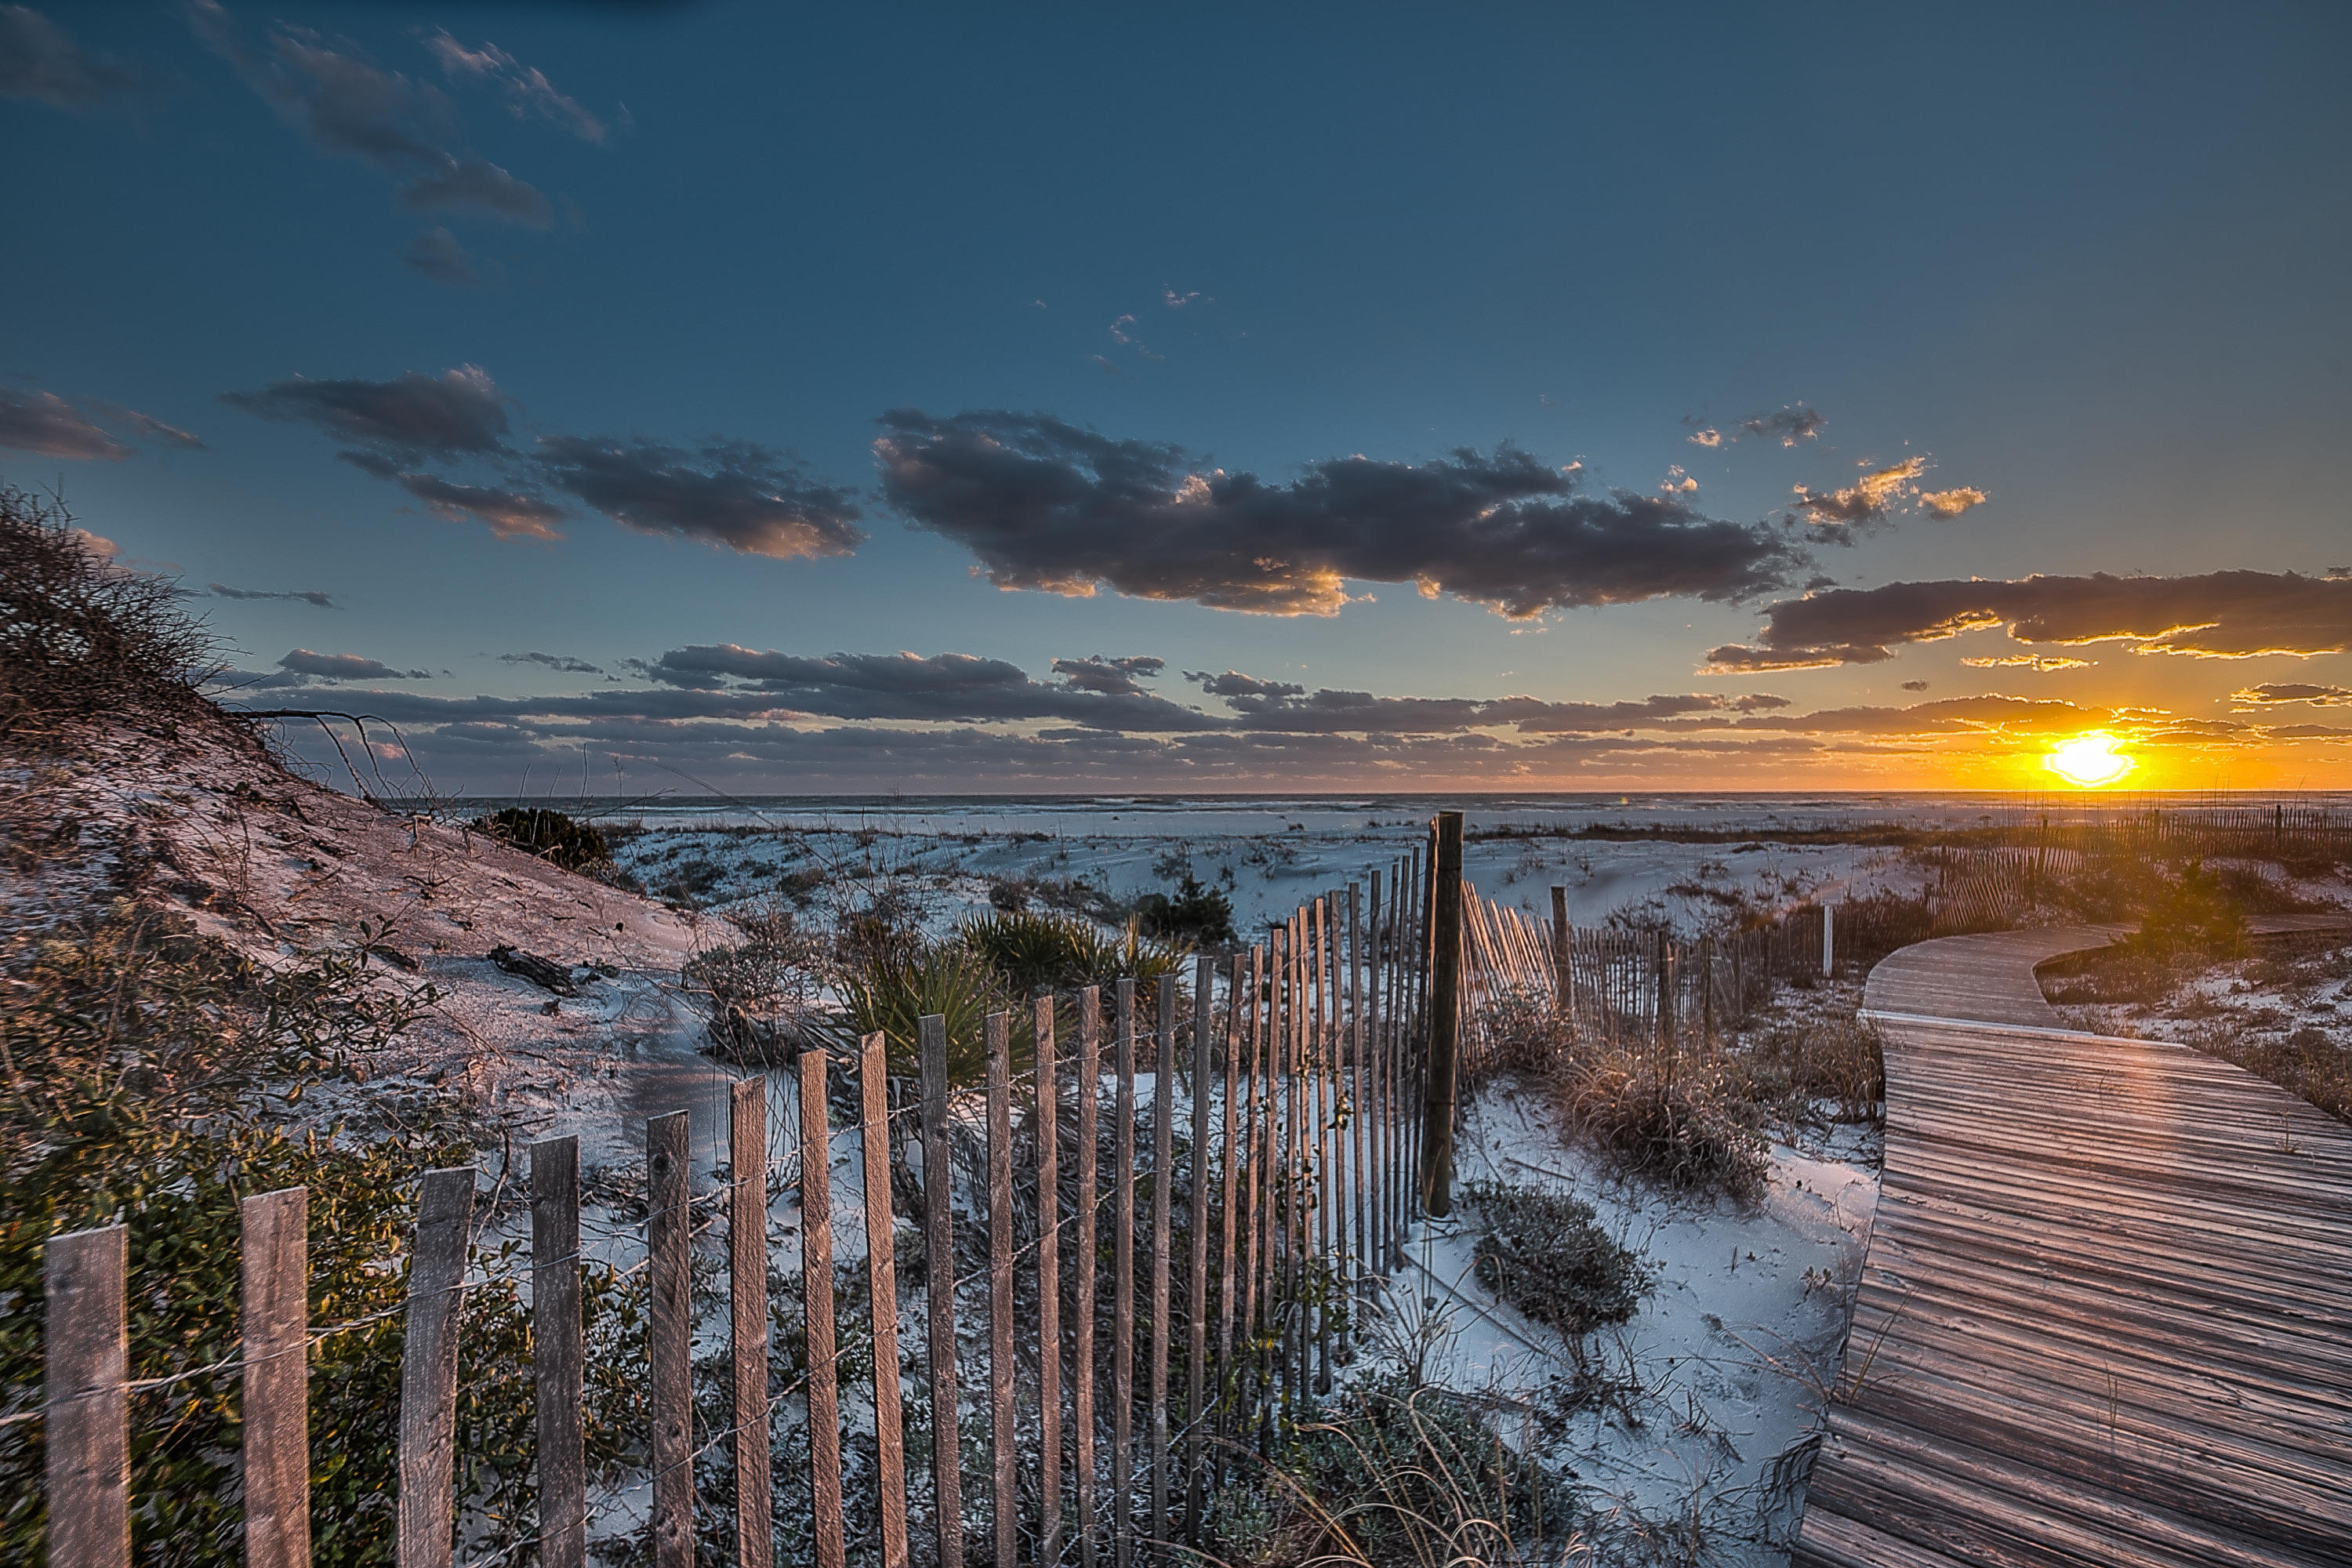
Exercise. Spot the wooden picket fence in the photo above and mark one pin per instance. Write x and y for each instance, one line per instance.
(1265, 1240)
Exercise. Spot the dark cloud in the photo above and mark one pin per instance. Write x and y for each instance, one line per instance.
(437, 254)
(2218, 615)
(1045, 505)
(459, 413)
(345, 667)
(510, 514)
(347, 107)
(1786, 425)
(1112, 676)
(40, 61)
(1234, 683)
(529, 94)
(223, 591)
(1915, 686)
(45, 423)
(2271, 692)
(947, 687)
(146, 427)
(735, 494)
(568, 665)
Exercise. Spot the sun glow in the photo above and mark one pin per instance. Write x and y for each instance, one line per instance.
(2089, 761)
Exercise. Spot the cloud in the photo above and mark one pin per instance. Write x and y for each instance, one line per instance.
(735, 494)
(1915, 686)
(510, 514)
(223, 591)
(1234, 683)
(437, 254)
(1867, 501)
(568, 666)
(459, 413)
(2218, 615)
(1786, 425)
(1951, 503)
(44, 423)
(348, 108)
(345, 667)
(1111, 677)
(40, 62)
(945, 687)
(482, 186)
(2037, 662)
(1707, 435)
(1045, 505)
(2276, 691)
(529, 94)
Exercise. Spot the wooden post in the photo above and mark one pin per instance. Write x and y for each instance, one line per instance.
(1163, 1158)
(1353, 1095)
(427, 1516)
(274, 1320)
(938, 1295)
(1563, 978)
(1082, 1349)
(882, 1286)
(1049, 1291)
(816, 1305)
(1662, 972)
(1229, 1172)
(1444, 1017)
(669, 1337)
(1326, 1187)
(1003, 1493)
(1374, 1049)
(1196, 1295)
(1122, 1310)
(1829, 939)
(87, 1413)
(1257, 1130)
(557, 1363)
(747, 1310)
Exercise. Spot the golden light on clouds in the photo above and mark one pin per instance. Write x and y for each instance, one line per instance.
(2089, 761)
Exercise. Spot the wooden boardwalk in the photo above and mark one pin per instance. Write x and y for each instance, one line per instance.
(2107, 1314)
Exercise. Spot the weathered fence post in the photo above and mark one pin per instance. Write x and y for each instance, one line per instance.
(1004, 1488)
(87, 1413)
(747, 1311)
(882, 1287)
(669, 1337)
(1829, 939)
(274, 1320)
(1049, 1291)
(1444, 1017)
(1122, 1310)
(425, 1521)
(557, 1363)
(1082, 1349)
(1563, 979)
(816, 1305)
(1197, 1278)
(938, 1294)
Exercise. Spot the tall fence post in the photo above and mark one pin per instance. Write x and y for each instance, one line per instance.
(1444, 1017)
(1197, 1279)
(1829, 939)
(1082, 1347)
(1562, 977)
(425, 1520)
(747, 1311)
(882, 1286)
(1122, 1320)
(1005, 1495)
(274, 1320)
(817, 1306)
(557, 1363)
(88, 1402)
(669, 1338)
(1049, 1289)
(938, 1294)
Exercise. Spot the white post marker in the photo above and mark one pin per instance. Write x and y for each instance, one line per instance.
(1829, 939)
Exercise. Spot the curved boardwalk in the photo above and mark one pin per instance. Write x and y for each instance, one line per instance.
(2107, 1314)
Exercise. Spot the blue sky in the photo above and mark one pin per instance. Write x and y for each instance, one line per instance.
(2076, 273)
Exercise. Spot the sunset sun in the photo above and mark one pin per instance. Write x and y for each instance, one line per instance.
(2089, 761)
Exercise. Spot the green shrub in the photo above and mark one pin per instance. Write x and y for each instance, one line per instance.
(1690, 1127)
(1545, 1254)
(550, 834)
(1192, 914)
(894, 989)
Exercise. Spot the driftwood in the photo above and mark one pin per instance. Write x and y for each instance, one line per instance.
(540, 972)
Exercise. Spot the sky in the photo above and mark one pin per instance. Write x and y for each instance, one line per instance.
(953, 400)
